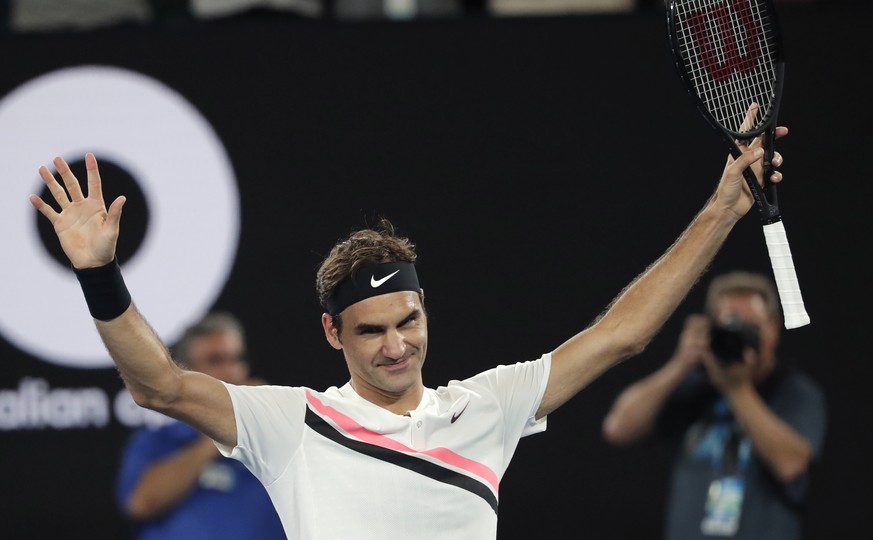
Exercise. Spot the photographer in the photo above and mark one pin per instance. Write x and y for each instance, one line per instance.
(748, 426)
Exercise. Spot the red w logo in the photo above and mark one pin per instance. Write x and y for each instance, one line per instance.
(732, 59)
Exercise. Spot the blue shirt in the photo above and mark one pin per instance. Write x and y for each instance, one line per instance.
(228, 502)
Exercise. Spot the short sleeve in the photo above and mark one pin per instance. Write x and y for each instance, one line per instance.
(269, 426)
(519, 389)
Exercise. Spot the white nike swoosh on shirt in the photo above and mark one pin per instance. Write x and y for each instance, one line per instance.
(377, 282)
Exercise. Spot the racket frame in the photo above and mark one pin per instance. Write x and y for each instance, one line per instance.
(765, 197)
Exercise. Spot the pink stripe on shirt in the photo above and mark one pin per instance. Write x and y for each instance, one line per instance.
(361, 433)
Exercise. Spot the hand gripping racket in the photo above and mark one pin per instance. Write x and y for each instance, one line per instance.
(729, 54)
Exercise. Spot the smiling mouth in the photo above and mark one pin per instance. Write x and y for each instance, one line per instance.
(399, 364)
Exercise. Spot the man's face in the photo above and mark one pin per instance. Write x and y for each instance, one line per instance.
(384, 341)
(220, 354)
(751, 309)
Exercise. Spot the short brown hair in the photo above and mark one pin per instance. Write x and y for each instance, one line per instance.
(743, 282)
(379, 244)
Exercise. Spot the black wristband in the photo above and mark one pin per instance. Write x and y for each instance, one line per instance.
(105, 291)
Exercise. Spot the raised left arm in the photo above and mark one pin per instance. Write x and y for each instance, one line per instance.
(639, 311)
(636, 315)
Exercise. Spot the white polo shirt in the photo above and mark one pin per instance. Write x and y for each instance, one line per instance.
(339, 467)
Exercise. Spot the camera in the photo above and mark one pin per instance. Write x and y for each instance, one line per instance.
(729, 338)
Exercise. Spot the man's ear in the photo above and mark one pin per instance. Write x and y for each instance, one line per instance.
(331, 332)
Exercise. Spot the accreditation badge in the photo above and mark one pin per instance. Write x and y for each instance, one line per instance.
(724, 502)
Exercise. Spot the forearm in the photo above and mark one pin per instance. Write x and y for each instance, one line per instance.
(156, 382)
(634, 412)
(644, 306)
(639, 311)
(167, 482)
(785, 451)
(141, 358)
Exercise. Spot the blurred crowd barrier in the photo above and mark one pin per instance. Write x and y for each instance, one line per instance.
(72, 15)
(65, 15)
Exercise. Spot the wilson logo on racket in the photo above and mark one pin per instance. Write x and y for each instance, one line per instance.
(725, 30)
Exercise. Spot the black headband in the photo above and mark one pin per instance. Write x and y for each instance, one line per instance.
(373, 280)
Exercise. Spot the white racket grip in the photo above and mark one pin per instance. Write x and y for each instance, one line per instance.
(786, 279)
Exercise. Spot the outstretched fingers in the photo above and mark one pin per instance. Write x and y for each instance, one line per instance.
(70, 191)
(113, 216)
(95, 187)
(44, 209)
(54, 187)
(69, 178)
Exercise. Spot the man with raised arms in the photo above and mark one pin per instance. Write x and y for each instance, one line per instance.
(382, 456)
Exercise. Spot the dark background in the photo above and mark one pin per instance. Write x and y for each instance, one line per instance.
(540, 164)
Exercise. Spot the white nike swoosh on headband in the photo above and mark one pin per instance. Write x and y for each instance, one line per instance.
(376, 282)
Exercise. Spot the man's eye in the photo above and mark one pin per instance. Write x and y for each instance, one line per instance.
(412, 321)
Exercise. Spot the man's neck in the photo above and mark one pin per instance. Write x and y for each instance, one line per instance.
(399, 404)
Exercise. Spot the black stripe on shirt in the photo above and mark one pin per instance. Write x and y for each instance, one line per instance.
(426, 468)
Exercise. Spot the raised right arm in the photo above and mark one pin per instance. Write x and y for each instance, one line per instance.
(88, 233)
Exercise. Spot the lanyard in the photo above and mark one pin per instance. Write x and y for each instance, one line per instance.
(734, 452)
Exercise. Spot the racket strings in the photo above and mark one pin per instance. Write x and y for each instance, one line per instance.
(728, 49)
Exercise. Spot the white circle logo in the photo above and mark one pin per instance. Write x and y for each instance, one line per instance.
(186, 178)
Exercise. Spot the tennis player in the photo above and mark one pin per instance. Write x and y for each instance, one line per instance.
(381, 456)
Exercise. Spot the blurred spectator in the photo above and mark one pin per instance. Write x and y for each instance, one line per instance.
(173, 482)
(747, 425)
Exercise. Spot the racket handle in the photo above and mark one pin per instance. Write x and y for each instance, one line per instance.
(786, 279)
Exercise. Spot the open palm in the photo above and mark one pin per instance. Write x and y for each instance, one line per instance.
(88, 232)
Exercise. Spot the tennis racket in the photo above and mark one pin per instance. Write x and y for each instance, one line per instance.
(729, 54)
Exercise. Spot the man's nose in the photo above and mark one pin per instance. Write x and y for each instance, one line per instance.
(394, 345)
